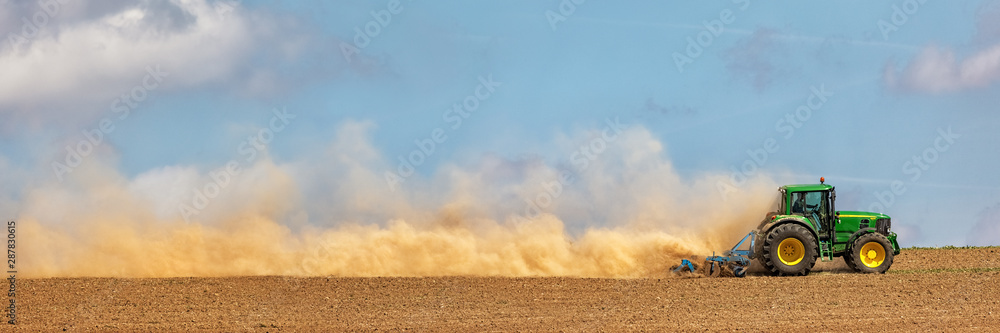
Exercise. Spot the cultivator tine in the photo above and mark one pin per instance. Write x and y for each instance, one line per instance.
(685, 265)
(714, 268)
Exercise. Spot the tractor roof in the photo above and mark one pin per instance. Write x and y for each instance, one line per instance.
(806, 187)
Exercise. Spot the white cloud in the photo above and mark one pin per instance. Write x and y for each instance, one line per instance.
(98, 59)
(938, 70)
(86, 56)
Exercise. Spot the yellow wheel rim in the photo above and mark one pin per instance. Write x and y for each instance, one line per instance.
(791, 251)
(872, 254)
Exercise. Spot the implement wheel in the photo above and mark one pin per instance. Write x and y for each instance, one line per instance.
(740, 271)
(870, 253)
(789, 249)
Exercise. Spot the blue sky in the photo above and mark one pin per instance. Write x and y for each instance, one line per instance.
(896, 75)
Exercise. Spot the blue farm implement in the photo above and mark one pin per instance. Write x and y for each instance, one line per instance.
(735, 260)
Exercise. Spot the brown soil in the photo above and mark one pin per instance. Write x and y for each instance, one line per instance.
(926, 290)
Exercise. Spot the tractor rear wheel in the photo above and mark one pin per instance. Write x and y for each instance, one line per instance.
(789, 249)
(870, 253)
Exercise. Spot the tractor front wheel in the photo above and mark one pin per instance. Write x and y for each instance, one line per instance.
(789, 249)
(870, 253)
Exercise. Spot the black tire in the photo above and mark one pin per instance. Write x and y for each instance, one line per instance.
(771, 258)
(848, 259)
(872, 262)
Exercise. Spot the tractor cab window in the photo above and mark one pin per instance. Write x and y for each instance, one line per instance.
(799, 203)
(815, 206)
(812, 205)
(814, 201)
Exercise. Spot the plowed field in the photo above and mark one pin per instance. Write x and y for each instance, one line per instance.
(926, 290)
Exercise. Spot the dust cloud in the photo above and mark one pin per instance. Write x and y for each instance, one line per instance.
(628, 213)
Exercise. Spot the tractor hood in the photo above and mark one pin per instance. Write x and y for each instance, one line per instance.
(860, 214)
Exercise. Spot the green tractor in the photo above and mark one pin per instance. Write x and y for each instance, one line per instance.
(805, 225)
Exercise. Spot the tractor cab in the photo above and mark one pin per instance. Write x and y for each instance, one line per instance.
(813, 204)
